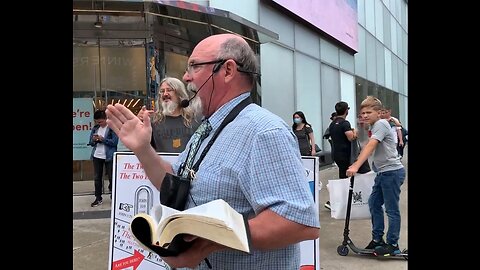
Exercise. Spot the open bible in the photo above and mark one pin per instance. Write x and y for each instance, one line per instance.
(163, 230)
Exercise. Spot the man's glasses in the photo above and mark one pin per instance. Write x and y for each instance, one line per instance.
(194, 66)
(168, 90)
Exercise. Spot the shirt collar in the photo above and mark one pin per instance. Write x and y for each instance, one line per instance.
(217, 117)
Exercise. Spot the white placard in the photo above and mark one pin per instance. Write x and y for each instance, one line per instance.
(132, 193)
(310, 250)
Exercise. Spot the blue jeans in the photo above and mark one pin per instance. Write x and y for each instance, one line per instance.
(386, 190)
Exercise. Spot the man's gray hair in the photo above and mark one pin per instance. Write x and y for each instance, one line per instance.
(189, 113)
(243, 54)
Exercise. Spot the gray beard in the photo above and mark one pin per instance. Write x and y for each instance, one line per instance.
(196, 102)
(168, 108)
(192, 87)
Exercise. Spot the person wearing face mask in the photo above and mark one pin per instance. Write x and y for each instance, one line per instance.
(172, 125)
(304, 132)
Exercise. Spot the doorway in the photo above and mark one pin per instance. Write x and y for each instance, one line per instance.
(105, 71)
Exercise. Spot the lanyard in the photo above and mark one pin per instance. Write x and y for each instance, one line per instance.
(229, 118)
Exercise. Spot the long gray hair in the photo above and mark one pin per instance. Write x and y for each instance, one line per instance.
(189, 113)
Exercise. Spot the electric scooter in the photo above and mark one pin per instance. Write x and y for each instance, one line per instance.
(342, 250)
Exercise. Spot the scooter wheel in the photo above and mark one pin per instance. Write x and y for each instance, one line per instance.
(342, 250)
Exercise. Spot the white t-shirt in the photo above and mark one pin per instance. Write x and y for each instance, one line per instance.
(100, 149)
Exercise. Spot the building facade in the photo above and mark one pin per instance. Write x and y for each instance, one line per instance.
(121, 48)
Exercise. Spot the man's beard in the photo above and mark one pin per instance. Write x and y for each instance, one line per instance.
(192, 87)
(196, 102)
(168, 108)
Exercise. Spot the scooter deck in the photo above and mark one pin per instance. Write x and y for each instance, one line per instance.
(403, 253)
(388, 255)
(371, 252)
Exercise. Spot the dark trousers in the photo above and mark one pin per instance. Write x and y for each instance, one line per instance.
(342, 168)
(98, 164)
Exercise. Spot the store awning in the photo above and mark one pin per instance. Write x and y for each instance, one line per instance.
(216, 19)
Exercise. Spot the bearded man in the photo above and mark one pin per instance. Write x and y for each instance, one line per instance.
(172, 125)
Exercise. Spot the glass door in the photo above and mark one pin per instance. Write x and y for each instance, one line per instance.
(105, 71)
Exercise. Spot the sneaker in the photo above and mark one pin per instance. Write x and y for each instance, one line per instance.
(327, 205)
(373, 244)
(387, 250)
(96, 203)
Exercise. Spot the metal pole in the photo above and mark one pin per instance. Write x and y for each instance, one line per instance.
(100, 79)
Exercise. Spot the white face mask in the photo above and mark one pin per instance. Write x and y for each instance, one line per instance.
(297, 120)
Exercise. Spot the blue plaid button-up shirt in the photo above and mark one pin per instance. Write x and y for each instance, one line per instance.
(254, 164)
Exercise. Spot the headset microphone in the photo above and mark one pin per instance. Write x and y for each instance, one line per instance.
(184, 103)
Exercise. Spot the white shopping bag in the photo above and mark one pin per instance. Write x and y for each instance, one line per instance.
(362, 188)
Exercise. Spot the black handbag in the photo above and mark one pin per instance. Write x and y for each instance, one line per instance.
(355, 151)
(174, 191)
(364, 168)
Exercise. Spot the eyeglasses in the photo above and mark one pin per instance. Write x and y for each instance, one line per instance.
(168, 90)
(194, 66)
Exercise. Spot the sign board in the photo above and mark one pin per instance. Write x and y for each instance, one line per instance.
(82, 126)
(310, 250)
(133, 193)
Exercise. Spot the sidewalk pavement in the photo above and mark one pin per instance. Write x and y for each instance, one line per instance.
(91, 233)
